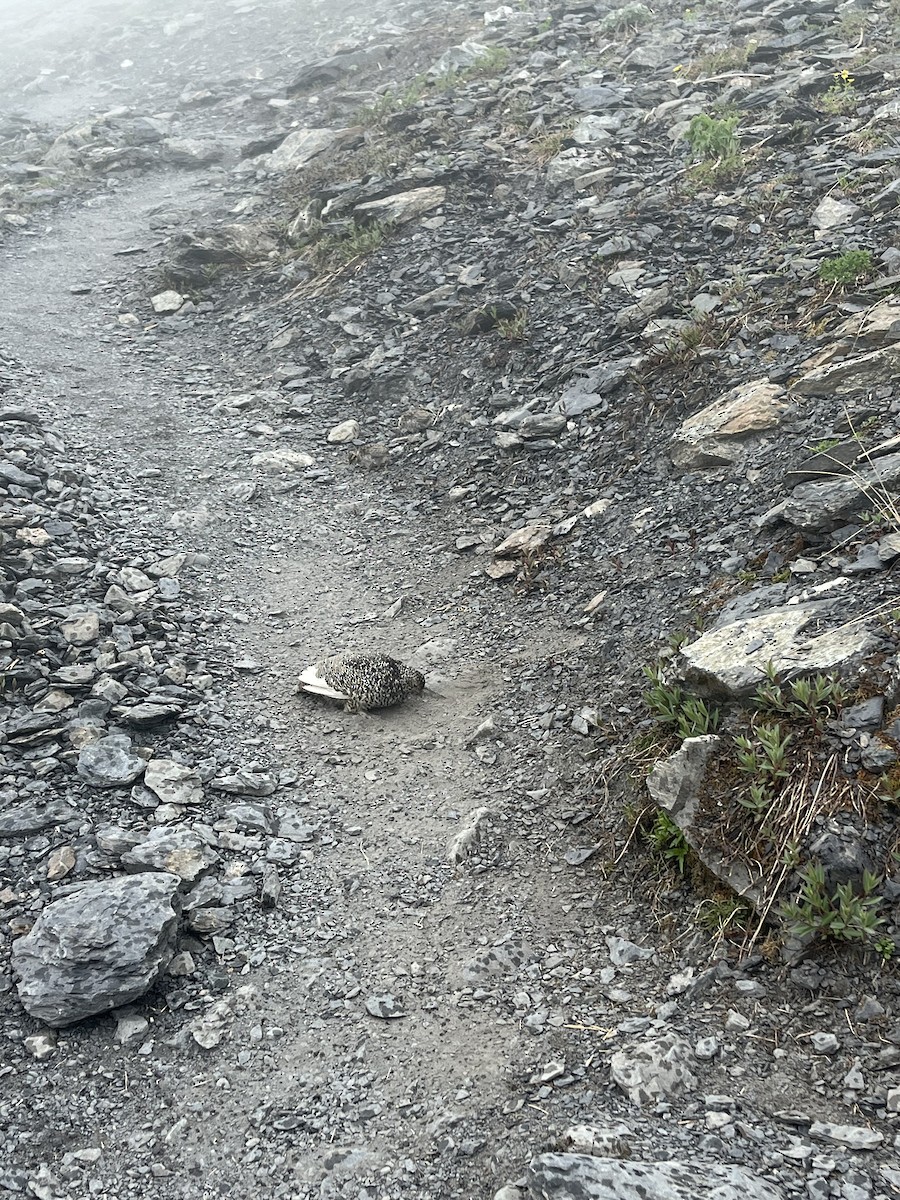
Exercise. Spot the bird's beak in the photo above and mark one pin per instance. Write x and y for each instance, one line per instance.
(429, 691)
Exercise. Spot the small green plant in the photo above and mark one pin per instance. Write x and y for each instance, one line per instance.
(393, 101)
(824, 446)
(847, 268)
(627, 19)
(548, 145)
(494, 61)
(846, 915)
(764, 758)
(513, 328)
(667, 841)
(813, 698)
(690, 716)
(730, 59)
(853, 27)
(849, 183)
(712, 138)
(724, 916)
(757, 800)
(841, 97)
(335, 250)
(715, 147)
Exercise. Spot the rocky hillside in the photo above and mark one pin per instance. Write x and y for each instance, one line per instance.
(554, 350)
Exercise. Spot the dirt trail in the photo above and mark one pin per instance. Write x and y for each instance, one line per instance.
(378, 902)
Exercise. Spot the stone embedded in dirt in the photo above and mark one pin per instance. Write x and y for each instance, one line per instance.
(210, 1028)
(300, 148)
(147, 714)
(675, 785)
(246, 783)
(110, 762)
(41, 1045)
(527, 540)
(329, 70)
(277, 461)
(878, 368)
(827, 503)
(733, 659)
(173, 782)
(600, 1141)
(385, 1007)
(80, 629)
(715, 436)
(97, 949)
(459, 58)
(60, 862)
(133, 580)
(623, 953)
(655, 1069)
(346, 431)
(584, 1177)
(505, 960)
(167, 302)
(591, 392)
(831, 213)
(175, 849)
(875, 326)
(192, 153)
(853, 1137)
(541, 425)
(23, 820)
(402, 206)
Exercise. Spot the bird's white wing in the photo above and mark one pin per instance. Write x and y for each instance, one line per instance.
(312, 681)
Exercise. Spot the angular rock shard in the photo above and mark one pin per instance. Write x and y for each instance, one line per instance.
(583, 1177)
(98, 949)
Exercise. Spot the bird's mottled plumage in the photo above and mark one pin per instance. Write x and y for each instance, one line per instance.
(362, 681)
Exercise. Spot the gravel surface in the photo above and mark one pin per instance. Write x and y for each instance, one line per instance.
(421, 331)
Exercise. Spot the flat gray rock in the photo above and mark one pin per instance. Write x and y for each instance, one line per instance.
(583, 1177)
(823, 504)
(98, 949)
(655, 1069)
(733, 659)
(110, 762)
(176, 849)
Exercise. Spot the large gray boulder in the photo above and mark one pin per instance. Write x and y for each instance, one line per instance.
(100, 948)
(583, 1177)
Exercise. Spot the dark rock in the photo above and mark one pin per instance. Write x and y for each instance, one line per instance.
(100, 948)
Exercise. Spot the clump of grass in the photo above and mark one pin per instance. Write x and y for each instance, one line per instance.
(847, 268)
(332, 251)
(730, 59)
(713, 137)
(724, 915)
(688, 716)
(548, 145)
(853, 26)
(845, 915)
(512, 329)
(667, 841)
(824, 445)
(813, 698)
(493, 62)
(393, 102)
(842, 96)
(627, 19)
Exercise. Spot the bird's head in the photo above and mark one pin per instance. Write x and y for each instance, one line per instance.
(413, 682)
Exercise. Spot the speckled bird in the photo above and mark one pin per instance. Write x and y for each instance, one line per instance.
(362, 681)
